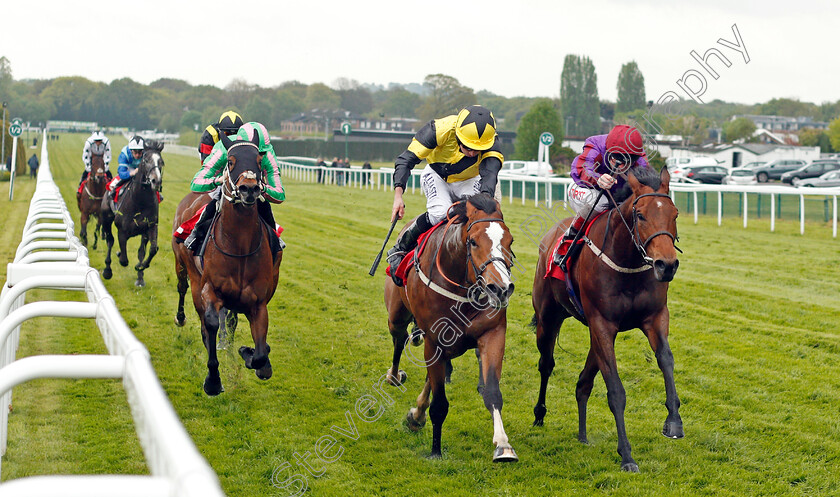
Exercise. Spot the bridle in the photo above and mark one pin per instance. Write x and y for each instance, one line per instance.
(229, 190)
(478, 271)
(231, 194)
(634, 230)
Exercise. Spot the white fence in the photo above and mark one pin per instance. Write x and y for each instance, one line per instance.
(50, 256)
(549, 190)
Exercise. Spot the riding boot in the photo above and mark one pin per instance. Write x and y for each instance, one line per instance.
(568, 238)
(199, 232)
(405, 243)
(79, 190)
(264, 210)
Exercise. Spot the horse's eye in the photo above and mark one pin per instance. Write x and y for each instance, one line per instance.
(472, 243)
(639, 216)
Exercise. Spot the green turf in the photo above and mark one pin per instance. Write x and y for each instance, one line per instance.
(754, 332)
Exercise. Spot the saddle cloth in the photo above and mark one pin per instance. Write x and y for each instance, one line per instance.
(561, 247)
(408, 259)
(183, 231)
(119, 189)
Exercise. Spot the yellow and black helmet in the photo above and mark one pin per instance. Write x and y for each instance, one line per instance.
(230, 122)
(476, 127)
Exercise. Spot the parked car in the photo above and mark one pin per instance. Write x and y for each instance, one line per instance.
(677, 166)
(812, 170)
(776, 168)
(526, 167)
(831, 178)
(707, 174)
(753, 165)
(740, 176)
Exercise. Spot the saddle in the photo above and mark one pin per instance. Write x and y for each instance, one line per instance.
(562, 247)
(413, 256)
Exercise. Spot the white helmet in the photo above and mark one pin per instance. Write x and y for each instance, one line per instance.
(136, 143)
(98, 136)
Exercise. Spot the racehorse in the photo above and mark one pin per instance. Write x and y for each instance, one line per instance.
(90, 200)
(136, 212)
(458, 294)
(622, 283)
(238, 273)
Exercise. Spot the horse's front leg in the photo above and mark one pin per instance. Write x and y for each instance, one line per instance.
(141, 252)
(122, 239)
(96, 231)
(183, 285)
(151, 236)
(209, 328)
(602, 335)
(439, 407)
(109, 241)
(257, 358)
(491, 348)
(83, 222)
(657, 334)
(399, 317)
(548, 321)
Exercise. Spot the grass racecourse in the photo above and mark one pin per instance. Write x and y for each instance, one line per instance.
(754, 331)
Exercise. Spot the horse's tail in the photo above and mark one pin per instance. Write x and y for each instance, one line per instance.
(533, 323)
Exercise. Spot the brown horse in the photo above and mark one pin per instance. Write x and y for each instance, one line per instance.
(622, 283)
(136, 213)
(239, 274)
(90, 201)
(458, 295)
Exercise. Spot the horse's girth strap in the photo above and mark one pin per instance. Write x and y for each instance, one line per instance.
(439, 289)
(601, 255)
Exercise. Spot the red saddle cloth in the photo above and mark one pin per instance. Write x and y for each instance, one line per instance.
(119, 189)
(562, 247)
(408, 260)
(186, 228)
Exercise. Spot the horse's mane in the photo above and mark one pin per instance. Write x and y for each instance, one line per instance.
(154, 145)
(647, 176)
(480, 201)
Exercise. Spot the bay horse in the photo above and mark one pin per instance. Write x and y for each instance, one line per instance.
(622, 283)
(90, 200)
(239, 273)
(136, 212)
(458, 295)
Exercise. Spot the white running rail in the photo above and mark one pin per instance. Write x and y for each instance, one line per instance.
(383, 179)
(50, 256)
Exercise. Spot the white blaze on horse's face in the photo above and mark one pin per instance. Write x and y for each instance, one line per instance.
(495, 233)
(155, 176)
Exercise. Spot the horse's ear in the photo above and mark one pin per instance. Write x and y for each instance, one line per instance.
(256, 139)
(665, 178)
(227, 142)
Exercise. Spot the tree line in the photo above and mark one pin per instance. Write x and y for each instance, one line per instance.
(175, 105)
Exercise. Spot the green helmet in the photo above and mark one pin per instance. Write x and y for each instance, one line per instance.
(246, 132)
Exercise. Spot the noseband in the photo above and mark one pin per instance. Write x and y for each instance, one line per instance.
(229, 190)
(477, 270)
(635, 230)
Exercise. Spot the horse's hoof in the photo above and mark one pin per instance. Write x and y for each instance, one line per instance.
(673, 429)
(416, 338)
(435, 455)
(123, 263)
(264, 372)
(107, 273)
(412, 423)
(539, 414)
(505, 454)
(140, 283)
(398, 380)
(630, 467)
(180, 319)
(213, 387)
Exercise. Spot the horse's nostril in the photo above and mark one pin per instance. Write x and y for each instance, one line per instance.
(660, 265)
(509, 290)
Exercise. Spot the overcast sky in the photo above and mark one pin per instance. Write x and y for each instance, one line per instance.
(508, 47)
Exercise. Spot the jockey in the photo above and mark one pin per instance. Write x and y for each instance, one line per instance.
(209, 177)
(229, 123)
(463, 159)
(594, 170)
(129, 159)
(96, 144)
